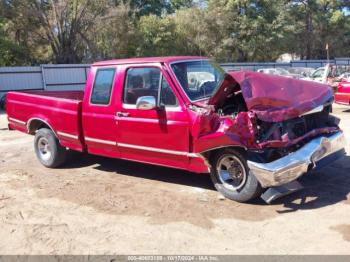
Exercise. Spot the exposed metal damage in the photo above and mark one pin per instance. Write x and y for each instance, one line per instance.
(281, 137)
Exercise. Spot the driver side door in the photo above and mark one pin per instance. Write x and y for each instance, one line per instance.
(159, 135)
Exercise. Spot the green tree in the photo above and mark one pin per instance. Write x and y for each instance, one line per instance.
(318, 23)
(198, 32)
(180, 4)
(61, 25)
(155, 7)
(235, 30)
(73, 31)
(11, 54)
(115, 34)
(158, 37)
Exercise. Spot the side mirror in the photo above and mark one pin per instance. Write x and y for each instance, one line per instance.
(146, 103)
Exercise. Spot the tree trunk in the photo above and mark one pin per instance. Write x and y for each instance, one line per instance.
(309, 31)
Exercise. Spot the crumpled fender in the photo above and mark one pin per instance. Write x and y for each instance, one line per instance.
(212, 131)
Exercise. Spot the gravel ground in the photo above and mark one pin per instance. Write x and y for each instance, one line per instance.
(96, 205)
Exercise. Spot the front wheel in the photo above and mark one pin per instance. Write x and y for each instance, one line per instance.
(231, 177)
(48, 149)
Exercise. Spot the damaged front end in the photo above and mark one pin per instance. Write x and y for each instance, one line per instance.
(292, 147)
(284, 125)
(318, 151)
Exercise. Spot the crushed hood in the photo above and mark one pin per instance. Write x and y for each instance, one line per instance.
(273, 98)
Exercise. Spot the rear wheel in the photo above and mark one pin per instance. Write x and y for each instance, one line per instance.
(48, 149)
(231, 177)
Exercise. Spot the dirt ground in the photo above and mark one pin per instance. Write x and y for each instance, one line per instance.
(96, 205)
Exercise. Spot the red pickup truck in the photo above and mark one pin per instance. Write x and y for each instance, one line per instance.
(249, 130)
(342, 96)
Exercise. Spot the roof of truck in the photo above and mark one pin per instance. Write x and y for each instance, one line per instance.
(141, 60)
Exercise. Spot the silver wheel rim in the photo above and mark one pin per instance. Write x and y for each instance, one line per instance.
(231, 172)
(44, 149)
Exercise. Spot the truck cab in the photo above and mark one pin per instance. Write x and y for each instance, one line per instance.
(141, 111)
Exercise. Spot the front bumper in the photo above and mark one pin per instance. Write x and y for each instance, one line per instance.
(320, 150)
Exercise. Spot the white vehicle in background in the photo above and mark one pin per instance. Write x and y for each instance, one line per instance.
(330, 74)
(197, 79)
(301, 71)
(278, 71)
(319, 75)
(345, 77)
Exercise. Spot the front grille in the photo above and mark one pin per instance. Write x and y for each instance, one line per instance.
(295, 127)
(317, 120)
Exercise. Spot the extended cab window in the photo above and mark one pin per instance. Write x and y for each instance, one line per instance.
(147, 81)
(102, 89)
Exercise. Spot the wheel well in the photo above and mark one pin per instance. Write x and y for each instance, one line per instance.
(37, 124)
(211, 153)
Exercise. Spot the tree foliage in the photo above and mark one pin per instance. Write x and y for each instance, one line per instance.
(318, 23)
(11, 54)
(73, 31)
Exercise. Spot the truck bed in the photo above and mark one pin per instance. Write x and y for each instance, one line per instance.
(59, 110)
(69, 95)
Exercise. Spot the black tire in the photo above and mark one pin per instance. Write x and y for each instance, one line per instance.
(48, 149)
(247, 186)
(3, 102)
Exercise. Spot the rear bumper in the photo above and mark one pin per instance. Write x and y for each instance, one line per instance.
(342, 98)
(318, 152)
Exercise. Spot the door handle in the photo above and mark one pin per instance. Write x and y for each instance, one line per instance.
(122, 114)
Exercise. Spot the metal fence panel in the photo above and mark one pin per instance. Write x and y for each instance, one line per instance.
(20, 78)
(47, 77)
(342, 61)
(73, 77)
(65, 77)
(310, 63)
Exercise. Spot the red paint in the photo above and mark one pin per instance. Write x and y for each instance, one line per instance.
(342, 96)
(167, 137)
(275, 98)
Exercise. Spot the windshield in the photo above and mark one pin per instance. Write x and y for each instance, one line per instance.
(318, 73)
(199, 79)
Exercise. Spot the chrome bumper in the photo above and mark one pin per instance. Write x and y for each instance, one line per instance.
(292, 166)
